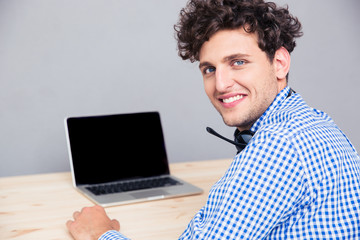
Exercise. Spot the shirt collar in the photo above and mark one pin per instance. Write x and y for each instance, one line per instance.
(279, 99)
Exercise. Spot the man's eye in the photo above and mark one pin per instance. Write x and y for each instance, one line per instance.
(239, 63)
(209, 70)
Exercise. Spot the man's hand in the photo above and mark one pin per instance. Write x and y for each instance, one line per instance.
(91, 223)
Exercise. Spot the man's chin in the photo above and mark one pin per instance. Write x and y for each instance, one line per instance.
(234, 119)
(230, 122)
(237, 123)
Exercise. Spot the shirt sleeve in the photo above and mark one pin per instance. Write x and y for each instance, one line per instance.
(113, 235)
(263, 187)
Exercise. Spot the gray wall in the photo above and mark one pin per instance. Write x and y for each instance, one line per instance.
(61, 58)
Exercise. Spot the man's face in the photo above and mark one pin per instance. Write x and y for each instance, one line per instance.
(239, 79)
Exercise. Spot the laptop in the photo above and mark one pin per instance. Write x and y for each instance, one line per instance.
(121, 158)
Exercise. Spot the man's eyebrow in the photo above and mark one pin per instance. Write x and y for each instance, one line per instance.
(204, 64)
(235, 56)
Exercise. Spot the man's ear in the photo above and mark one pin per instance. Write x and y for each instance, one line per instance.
(281, 62)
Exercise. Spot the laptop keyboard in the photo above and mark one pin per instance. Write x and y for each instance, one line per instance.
(132, 185)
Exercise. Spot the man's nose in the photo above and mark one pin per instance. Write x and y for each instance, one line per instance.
(223, 80)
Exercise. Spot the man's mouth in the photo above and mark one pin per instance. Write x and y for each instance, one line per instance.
(232, 99)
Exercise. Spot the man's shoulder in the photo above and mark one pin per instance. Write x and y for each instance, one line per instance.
(293, 117)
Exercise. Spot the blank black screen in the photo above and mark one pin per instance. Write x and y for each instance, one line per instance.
(115, 147)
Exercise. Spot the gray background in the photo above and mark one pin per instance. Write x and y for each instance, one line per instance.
(63, 58)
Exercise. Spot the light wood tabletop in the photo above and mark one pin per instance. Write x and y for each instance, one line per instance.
(38, 206)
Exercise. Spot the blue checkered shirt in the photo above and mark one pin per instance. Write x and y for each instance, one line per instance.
(298, 178)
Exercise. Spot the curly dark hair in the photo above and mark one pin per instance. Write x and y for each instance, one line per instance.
(200, 19)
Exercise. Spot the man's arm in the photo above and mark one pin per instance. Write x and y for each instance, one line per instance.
(91, 223)
(258, 191)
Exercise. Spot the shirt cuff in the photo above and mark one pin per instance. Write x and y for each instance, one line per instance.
(113, 235)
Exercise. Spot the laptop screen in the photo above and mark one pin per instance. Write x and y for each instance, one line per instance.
(116, 147)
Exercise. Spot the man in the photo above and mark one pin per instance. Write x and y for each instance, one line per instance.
(299, 176)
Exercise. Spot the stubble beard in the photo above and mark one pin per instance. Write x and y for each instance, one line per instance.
(243, 121)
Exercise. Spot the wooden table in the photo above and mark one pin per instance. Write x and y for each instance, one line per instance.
(36, 207)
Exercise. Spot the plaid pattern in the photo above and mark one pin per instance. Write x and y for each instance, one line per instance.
(112, 235)
(298, 178)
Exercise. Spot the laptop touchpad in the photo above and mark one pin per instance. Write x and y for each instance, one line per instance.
(152, 193)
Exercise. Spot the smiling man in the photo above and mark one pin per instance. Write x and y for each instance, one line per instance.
(298, 177)
(239, 79)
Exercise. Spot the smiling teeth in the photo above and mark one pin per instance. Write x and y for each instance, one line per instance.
(232, 99)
